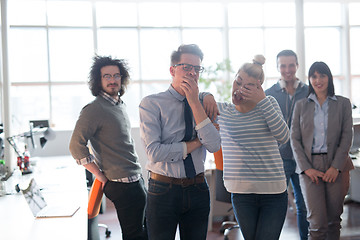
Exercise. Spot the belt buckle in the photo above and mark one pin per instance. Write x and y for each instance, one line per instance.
(185, 182)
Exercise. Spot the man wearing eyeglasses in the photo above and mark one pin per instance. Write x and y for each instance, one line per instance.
(287, 91)
(178, 192)
(105, 123)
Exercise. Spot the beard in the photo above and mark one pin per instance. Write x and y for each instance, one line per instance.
(112, 89)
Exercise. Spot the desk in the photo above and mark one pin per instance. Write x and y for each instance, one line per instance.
(61, 180)
(354, 191)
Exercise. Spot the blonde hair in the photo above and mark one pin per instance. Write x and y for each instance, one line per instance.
(255, 69)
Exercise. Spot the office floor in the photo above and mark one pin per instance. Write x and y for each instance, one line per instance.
(350, 225)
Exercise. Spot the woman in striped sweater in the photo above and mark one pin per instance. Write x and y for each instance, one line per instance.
(251, 128)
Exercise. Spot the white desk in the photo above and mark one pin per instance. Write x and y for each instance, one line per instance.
(62, 181)
(354, 191)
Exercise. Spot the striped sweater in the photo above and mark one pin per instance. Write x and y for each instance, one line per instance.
(252, 162)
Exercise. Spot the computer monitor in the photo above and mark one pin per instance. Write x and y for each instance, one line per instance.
(40, 123)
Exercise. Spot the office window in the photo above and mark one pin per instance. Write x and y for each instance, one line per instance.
(212, 52)
(69, 13)
(53, 53)
(28, 61)
(355, 86)
(202, 14)
(27, 104)
(323, 44)
(244, 44)
(260, 28)
(156, 46)
(122, 44)
(160, 14)
(132, 98)
(322, 14)
(27, 12)
(67, 102)
(354, 17)
(277, 39)
(70, 53)
(245, 15)
(116, 14)
(355, 50)
(274, 14)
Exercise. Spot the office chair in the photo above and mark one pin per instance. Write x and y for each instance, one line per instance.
(222, 195)
(95, 206)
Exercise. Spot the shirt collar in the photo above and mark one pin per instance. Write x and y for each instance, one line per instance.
(110, 99)
(282, 83)
(312, 97)
(177, 95)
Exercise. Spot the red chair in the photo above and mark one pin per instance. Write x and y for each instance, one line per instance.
(94, 206)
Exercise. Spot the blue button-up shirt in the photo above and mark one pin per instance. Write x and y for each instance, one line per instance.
(162, 128)
(320, 124)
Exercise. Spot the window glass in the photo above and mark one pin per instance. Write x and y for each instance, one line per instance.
(322, 14)
(204, 14)
(355, 86)
(355, 50)
(159, 14)
(27, 104)
(244, 44)
(123, 44)
(156, 47)
(65, 111)
(69, 13)
(132, 100)
(277, 39)
(354, 16)
(269, 82)
(28, 60)
(71, 52)
(338, 85)
(245, 14)
(116, 14)
(27, 12)
(276, 15)
(323, 44)
(213, 53)
(153, 88)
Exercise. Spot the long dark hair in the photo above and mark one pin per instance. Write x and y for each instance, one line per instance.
(321, 68)
(95, 73)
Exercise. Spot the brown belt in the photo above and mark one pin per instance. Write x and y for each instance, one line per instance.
(200, 178)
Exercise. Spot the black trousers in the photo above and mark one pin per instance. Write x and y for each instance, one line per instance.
(129, 200)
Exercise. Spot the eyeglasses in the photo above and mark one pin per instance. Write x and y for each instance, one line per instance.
(188, 67)
(116, 76)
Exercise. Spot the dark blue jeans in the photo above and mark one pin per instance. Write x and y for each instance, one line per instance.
(291, 175)
(129, 200)
(260, 216)
(169, 205)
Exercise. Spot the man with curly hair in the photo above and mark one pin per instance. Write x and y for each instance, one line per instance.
(105, 124)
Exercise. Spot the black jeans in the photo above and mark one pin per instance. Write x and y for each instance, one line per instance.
(129, 200)
(169, 205)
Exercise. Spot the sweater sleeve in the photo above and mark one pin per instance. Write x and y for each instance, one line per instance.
(86, 127)
(274, 118)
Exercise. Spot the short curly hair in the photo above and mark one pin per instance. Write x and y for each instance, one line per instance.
(95, 73)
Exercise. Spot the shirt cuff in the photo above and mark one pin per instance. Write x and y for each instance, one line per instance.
(85, 160)
(184, 150)
(202, 124)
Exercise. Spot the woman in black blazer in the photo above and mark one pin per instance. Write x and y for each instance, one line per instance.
(321, 137)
